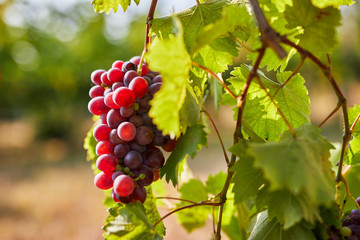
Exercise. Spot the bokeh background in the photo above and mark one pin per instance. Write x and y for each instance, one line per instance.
(48, 50)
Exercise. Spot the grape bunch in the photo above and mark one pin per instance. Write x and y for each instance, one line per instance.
(351, 224)
(129, 156)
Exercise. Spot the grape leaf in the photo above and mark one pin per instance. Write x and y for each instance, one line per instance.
(353, 152)
(194, 20)
(196, 217)
(152, 213)
(170, 58)
(189, 144)
(233, 17)
(270, 230)
(129, 221)
(333, 3)
(297, 163)
(261, 113)
(318, 24)
(214, 184)
(107, 5)
(247, 179)
(288, 208)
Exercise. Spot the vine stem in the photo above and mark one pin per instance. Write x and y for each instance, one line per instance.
(354, 123)
(216, 77)
(149, 18)
(241, 43)
(184, 207)
(342, 102)
(175, 198)
(236, 137)
(218, 134)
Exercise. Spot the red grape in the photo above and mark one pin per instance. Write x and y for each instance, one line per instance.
(106, 162)
(105, 80)
(101, 132)
(123, 185)
(103, 180)
(135, 60)
(114, 118)
(104, 147)
(96, 76)
(139, 86)
(115, 75)
(110, 102)
(97, 106)
(127, 131)
(129, 76)
(96, 91)
(117, 64)
(124, 97)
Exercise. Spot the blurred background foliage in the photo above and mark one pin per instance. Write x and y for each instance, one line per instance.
(48, 50)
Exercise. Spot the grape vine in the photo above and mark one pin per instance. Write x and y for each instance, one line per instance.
(280, 183)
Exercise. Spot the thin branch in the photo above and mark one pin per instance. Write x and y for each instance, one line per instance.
(198, 2)
(179, 199)
(237, 136)
(341, 99)
(277, 107)
(185, 207)
(216, 77)
(338, 105)
(149, 18)
(348, 195)
(218, 134)
(268, 35)
(241, 43)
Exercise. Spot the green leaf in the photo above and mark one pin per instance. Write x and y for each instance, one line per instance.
(318, 25)
(261, 113)
(215, 183)
(189, 144)
(90, 145)
(152, 212)
(129, 221)
(235, 220)
(215, 56)
(196, 217)
(247, 179)
(288, 208)
(353, 152)
(107, 5)
(298, 163)
(333, 3)
(270, 230)
(170, 58)
(233, 17)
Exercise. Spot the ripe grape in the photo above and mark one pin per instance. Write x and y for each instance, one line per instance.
(101, 132)
(129, 76)
(96, 76)
(137, 147)
(149, 175)
(115, 174)
(103, 180)
(114, 137)
(136, 120)
(154, 159)
(127, 131)
(104, 147)
(105, 80)
(115, 75)
(156, 79)
(97, 106)
(123, 185)
(139, 86)
(144, 135)
(139, 194)
(110, 102)
(135, 60)
(127, 66)
(127, 112)
(96, 91)
(106, 162)
(121, 150)
(114, 118)
(124, 97)
(153, 88)
(117, 64)
(133, 160)
(117, 85)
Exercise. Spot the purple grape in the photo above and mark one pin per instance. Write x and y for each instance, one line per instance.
(146, 119)
(144, 135)
(136, 147)
(127, 112)
(143, 104)
(114, 118)
(130, 75)
(154, 159)
(156, 79)
(153, 88)
(149, 175)
(159, 139)
(128, 66)
(117, 85)
(133, 160)
(139, 194)
(136, 120)
(121, 150)
(115, 174)
(355, 229)
(114, 137)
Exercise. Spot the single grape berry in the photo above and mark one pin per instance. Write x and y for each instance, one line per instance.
(114, 118)
(149, 175)
(135, 60)
(96, 76)
(127, 131)
(124, 97)
(127, 66)
(139, 86)
(127, 112)
(139, 194)
(105, 80)
(133, 160)
(115, 75)
(106, 163)
(104, 147)
(121, 150)
(101, 132)
(97, 106)
(154, 159)
(103, 180)
(123, 185)
(96, 91)
(144, 135)
(117, 64)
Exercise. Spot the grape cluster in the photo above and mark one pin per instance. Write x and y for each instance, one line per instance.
(128, 142)
(351, 224)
